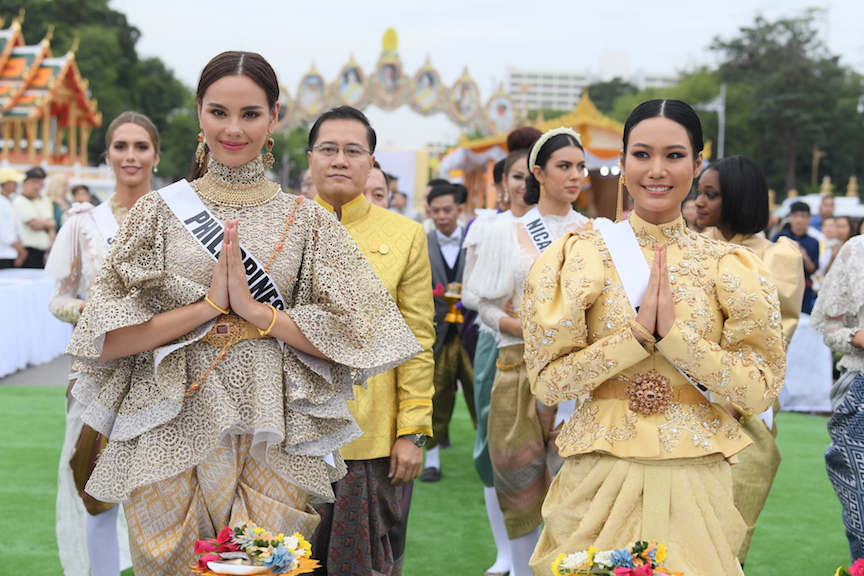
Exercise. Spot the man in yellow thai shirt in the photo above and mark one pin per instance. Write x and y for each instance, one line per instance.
(362, 532)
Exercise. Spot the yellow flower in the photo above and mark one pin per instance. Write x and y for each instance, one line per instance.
(557, 563)
(661, 553)
(304, 544)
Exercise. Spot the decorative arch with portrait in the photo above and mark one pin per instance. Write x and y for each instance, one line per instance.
(351, 85)
(311, 94)
(501, 113)
(466, 99)
(427, 89)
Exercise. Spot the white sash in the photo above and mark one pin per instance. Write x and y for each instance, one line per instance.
(208, 233)
(536, 227)
(105, 221)
(627, 256)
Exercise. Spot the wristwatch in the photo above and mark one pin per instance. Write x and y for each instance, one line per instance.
(419, 440)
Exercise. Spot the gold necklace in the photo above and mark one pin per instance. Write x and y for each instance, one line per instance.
(236, 195)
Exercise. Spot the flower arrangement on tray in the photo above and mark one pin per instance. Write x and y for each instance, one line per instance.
(856, 569)
(639, 559)
(452, 294)
(248, 549)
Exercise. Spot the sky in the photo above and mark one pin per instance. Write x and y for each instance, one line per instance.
(487, 37)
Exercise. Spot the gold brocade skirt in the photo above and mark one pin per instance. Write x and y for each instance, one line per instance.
(600, 500)
(521, 444)
(165, 518)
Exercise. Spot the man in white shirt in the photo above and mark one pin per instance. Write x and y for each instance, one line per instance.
(37, 215)
(12, 251)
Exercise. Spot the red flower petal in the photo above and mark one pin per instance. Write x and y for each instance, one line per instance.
(202, 562)
(225, 535)
(202, 546)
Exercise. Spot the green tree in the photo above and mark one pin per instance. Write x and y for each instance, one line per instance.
(605, 94)
(796, 95)
(107, 58)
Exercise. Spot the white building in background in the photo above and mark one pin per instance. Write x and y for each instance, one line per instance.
(533, 89)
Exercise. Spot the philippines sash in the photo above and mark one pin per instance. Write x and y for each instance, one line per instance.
(105, 221)
(208, 232)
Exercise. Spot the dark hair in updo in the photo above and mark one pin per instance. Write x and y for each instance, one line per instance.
(532, 185)
(234, 63)
(674, 110)
(522, 138)
(519, 143)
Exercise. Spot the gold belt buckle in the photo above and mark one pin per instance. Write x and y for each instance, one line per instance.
(225, 330)
(649, 393)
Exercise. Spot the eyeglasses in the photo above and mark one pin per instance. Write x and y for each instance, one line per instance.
(351, 151)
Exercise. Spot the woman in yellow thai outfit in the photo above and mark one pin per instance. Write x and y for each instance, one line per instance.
(515, 172)
(518, 428)
(732, 206)
(219, 372)
(87, 533)
(647, 455)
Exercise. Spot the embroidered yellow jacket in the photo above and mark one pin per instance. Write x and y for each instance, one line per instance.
(727, 337)
(398, 401)
(786, 266)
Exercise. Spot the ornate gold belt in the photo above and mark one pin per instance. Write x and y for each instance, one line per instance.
(651, 395)
(230, 329)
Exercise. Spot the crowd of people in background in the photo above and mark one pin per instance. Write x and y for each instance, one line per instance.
(526, 308)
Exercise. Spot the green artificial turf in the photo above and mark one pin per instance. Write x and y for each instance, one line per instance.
(800, 530)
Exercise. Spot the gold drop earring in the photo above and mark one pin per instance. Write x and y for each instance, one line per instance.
(267, 159)
(200, 151)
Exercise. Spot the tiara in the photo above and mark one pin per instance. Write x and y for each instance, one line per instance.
(535, 150)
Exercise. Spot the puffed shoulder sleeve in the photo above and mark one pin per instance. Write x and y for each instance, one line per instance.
(562, 360)
(342, 307)
(748, 365)
(786, 266)
(127, 290)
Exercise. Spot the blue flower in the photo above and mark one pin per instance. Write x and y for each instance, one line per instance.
(280, 560)
(622, 558)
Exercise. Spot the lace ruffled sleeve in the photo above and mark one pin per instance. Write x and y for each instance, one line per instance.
(342, 307)
(64, 265)
(841, 298)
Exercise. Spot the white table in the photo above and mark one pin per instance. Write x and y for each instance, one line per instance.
(29, 334)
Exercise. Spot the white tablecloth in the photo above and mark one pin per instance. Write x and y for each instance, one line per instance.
(29, 334)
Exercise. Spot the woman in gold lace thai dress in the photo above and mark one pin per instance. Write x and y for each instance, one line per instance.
(647, 454)
(733, 206)
(217, 357)
(87, 534)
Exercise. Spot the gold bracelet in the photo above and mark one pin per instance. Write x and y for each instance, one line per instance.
(642, 331)
(272, 323)
(214, 305)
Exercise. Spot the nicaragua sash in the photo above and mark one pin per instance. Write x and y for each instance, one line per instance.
(536, 227)
(105, 221)
(627, 256)
(540, 236)
(208, 232)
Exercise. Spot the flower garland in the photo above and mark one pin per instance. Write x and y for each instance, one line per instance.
(247, 544)
(639, 559)
(856, 569)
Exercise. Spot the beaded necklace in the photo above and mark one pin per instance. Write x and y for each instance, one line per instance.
(236, 187)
